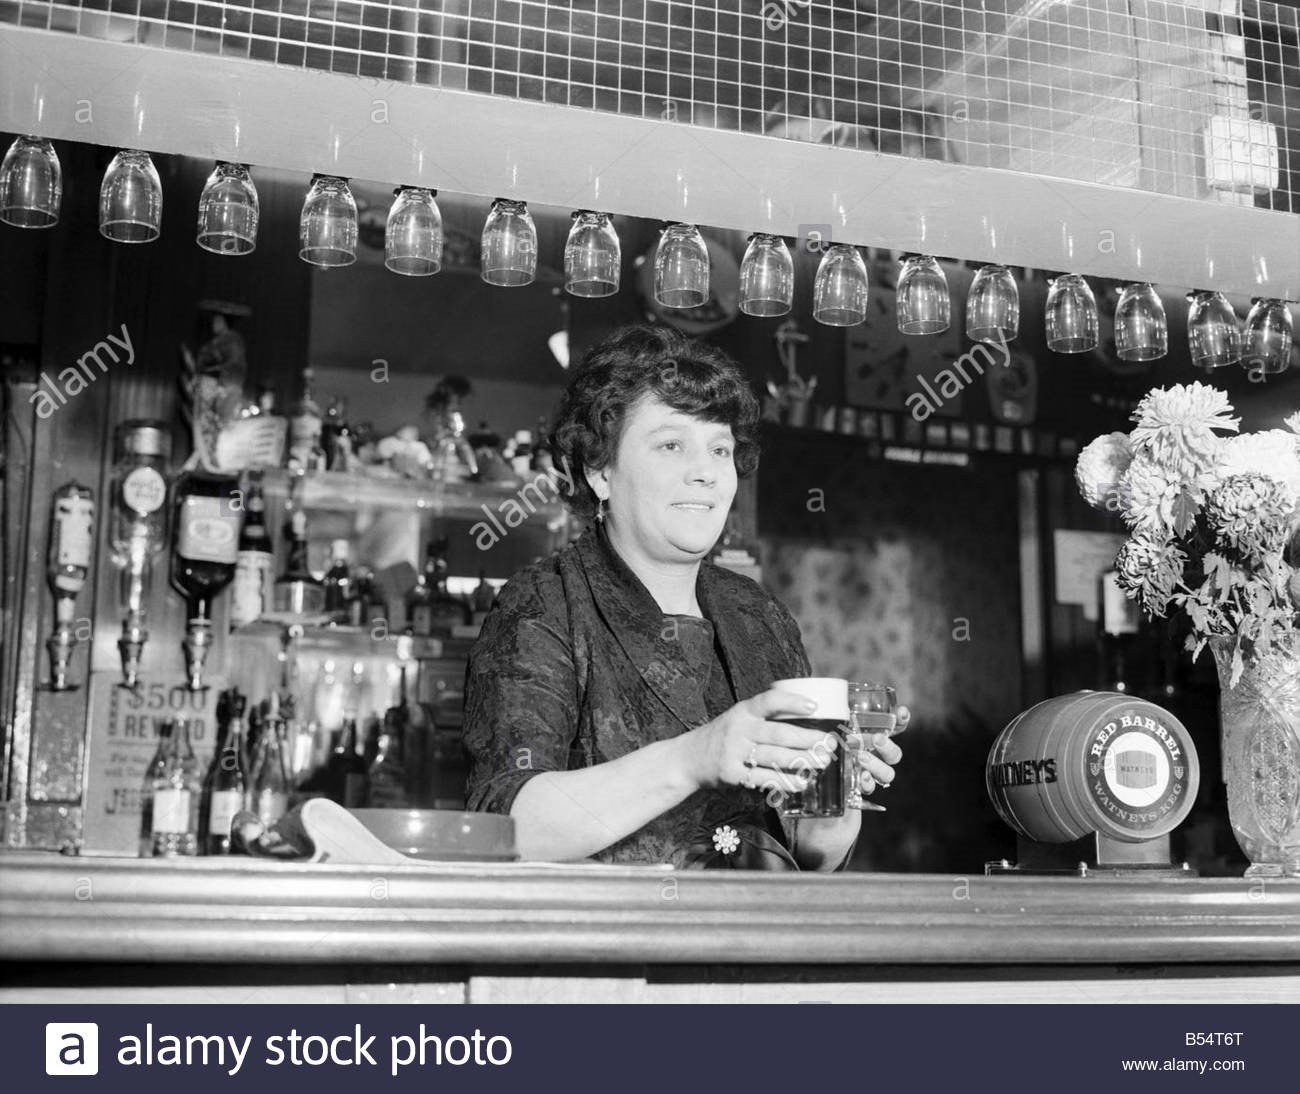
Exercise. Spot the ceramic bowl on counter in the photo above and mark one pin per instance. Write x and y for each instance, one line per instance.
(443, 835)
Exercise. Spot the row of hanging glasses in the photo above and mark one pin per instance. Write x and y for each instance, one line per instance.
(130, 211)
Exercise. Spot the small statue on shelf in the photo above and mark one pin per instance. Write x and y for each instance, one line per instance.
(453, 458)
(789, 401)
(230, 432)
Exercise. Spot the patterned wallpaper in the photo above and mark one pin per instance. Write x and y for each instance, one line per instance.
(909, 575)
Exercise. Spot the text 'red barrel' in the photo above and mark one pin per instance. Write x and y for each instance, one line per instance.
(1094, 761)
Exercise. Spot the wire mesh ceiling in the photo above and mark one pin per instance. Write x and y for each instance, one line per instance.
(1198, 99)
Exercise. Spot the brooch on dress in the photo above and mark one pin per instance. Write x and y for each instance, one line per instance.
(725, 839)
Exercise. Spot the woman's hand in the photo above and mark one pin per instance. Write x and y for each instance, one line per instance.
(874, 755)
(744, 747)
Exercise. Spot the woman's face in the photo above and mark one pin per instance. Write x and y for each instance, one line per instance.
(671, 483)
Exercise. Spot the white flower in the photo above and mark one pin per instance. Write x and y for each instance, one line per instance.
(1149, 492)
(1293, 422)
(1099, 469)
(1275, 454)
(725, 839)
(1176, 427)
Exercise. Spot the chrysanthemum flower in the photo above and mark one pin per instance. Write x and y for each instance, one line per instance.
(1149, 567)
(1274, 453)
(1100, 468)
(1150, 492)
(1250, 514)
(1176, 427)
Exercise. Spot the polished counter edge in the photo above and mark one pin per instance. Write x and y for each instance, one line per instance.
(57, 908)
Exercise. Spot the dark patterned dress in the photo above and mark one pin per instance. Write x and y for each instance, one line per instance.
(577, 665)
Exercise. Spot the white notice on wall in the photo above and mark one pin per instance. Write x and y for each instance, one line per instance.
(123, 735)
(1081, 559)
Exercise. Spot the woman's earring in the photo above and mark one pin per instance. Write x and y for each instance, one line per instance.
(600, 510)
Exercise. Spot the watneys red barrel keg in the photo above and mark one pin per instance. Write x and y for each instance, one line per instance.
(1094, 761)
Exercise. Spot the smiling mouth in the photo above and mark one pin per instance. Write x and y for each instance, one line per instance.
(703, 506)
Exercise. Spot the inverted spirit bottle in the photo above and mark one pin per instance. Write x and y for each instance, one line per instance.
(204, 555)
(176, 793)
(72, 525)
(137, 533)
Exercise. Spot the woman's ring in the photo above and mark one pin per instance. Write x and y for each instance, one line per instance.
(752, 759)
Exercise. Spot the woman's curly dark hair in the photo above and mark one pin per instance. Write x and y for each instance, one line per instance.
(683, 373)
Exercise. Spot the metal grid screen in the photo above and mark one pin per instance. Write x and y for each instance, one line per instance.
(1199, 98)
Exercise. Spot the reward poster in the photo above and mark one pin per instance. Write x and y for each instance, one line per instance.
(123, 739)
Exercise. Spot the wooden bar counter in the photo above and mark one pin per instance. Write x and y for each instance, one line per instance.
(196, 930)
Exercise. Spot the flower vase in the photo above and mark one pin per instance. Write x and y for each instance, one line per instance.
(1260, 739)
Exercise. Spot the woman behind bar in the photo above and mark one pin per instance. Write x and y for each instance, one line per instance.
(618, 702)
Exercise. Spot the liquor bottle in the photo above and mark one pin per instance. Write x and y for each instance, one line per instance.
(336, 437)
(223, 707)
(346, 771)
(250, 597)
(329, 428)
(387, 774)
(252, 740)
(482, 599)
(152, 771)
(446, 788)
(138, 529)
(445, 610)
(419, 599)
(418, 747)
(305, 425)
(268, 795)
(266, 399)
(227, 782)
(72, 522)
(332, 697)
(338, 581)
(285, 725)
(542, 459)
(522, 459)
(204, 555)
(369, 748)
(296, 590)
(486, 446)
(176, 793)
(367, 606)
(1118, 625)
